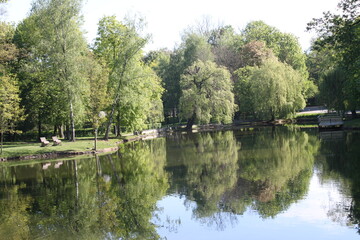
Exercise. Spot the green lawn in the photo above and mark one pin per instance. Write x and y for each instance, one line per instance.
(24, 149)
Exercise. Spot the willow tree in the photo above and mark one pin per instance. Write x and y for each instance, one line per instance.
(60, 47)
(206, 94)
(273, 89)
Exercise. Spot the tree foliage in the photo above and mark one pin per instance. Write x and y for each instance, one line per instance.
(340, 34)
(332, 89)
(55, 44)
(133, 87)
(10, 111)
(271, 90)
(285, 46)
(206, 94)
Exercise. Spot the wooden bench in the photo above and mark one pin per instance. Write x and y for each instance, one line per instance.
(330, 121)
(56, 141)
(44, 142)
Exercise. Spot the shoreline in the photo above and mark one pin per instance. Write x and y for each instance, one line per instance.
(155, 133)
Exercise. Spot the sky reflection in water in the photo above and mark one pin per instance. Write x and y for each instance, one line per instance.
(307, 219)
(261, 184)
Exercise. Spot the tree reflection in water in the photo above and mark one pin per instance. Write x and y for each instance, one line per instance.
(99, 198)
(227, 172)
(221, 175)
(339, 161)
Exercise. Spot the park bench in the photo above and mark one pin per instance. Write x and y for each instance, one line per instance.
(44, 142)
(330, 121)
(56, 141)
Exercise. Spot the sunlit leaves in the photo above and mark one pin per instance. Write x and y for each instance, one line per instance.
(274, 90)
(207, 93)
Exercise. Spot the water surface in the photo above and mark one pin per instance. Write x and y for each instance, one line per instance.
(269, 183)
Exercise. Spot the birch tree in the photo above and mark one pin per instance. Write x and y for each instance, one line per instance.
(62, 44)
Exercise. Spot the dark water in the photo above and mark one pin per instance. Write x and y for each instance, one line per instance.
(261, 184)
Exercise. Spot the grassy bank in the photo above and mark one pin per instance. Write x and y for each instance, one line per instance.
(18, 149)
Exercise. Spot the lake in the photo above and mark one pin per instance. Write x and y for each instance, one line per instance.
(265, 183)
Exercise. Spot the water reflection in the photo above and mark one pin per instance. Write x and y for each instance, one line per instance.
(222, 180)
(276, 168)
(99, 198)
(204, 168)
(230, 172)
(339, 163)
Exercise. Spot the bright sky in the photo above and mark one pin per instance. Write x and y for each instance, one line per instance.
(166, 19)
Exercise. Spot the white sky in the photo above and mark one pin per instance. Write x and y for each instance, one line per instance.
(166, 19)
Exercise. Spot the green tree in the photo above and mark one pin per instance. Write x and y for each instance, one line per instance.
(206, 94)
(140, 104)
(225, 45)
(332, 89)
(194, 47)
(10, 110)
(272, 90)
(340, 33)
(285, 46)
(120, 46)
(62, 44)
(97, 76)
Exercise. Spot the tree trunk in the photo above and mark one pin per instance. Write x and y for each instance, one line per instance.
(61, 131)
(108, 125)
(2, 141)
(55, 130)
(190, 122)
(353, 113)
(272, 115)
(39, 129)
(118, 129)
(72, 123)
(67, 131)
(95, 142)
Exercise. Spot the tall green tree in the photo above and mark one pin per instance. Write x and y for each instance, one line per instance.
(332, 89)
(60, 45)
(271, 90)
(206, 94)
(119, 45)
(194, 47)
(10, 110)
(98, 101)
(340, 33)
(285, 46)
(134, 88)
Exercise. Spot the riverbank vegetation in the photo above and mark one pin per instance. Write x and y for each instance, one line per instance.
(52, 80)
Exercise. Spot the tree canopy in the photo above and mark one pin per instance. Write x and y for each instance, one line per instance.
(64, 82)
(206, 94)
(271, 90)
(339, 34)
